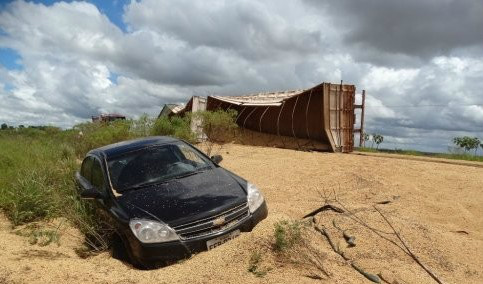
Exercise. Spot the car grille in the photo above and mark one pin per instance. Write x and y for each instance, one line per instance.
(213, 224)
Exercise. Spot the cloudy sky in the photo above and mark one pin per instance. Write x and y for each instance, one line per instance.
(421, 62)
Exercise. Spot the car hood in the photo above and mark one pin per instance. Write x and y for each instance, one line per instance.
(186, 199)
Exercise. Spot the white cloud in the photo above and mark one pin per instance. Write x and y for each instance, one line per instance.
(250, 28)
(399, 80)
(378, 109)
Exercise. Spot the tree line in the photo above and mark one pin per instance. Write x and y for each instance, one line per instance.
(468, 143)
(376, 138)
(465, 142)
(5, 126)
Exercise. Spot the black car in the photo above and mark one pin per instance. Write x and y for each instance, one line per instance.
(166, 199)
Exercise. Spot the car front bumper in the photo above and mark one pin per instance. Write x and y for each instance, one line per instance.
(149, 254)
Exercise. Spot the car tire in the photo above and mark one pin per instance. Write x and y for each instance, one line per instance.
(122, 252)
(119, 250)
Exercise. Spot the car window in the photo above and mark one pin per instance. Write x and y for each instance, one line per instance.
(189, 154)
(153, 165)
(86, 168)
(97, 179)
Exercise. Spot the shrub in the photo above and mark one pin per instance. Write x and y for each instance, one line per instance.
(219, 125)
(287, 234)
(89, 135)
(179, 127)
(142, 126)
(254, 264)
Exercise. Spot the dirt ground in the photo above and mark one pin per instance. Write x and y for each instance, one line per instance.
(437, 208)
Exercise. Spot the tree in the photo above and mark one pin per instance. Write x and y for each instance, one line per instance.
(475, 143)
(467, 143)
(460, 142)
(4, 126)
(365, 137)
(377, 138)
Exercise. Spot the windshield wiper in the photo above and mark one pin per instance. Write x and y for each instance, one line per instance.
(200, 170)
(146, 184)
(139, 186)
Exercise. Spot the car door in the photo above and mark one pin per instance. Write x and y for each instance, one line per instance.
(94, 174)
(99, 181)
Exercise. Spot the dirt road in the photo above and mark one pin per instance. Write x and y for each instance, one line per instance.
(437, 208)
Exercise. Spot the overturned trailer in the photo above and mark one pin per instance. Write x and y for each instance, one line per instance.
(323, 114)
(319, 118)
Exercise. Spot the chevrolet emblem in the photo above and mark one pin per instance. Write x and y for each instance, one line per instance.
(219, 221)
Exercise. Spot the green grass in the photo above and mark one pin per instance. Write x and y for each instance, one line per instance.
(366, 149)
(464, 156)
(35, 175)
(37, 167)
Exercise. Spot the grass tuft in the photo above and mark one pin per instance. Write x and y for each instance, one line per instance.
(254, 265)
(287, 234)
(39, 236)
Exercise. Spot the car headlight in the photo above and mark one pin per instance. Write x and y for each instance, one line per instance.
(254, 197)
(148, 231)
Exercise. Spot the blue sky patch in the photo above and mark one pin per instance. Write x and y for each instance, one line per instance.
(113, 77)
(113, 10)
(10, 59)
(8, 87)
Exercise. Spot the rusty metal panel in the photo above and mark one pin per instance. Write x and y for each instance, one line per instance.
(334, 111)
(341, 116)
(347, 119)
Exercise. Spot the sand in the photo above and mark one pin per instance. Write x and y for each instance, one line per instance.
(436, 207)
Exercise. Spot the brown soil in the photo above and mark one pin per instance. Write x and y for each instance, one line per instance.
(436, 207)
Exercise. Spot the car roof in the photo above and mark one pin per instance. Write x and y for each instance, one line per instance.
(131, 145)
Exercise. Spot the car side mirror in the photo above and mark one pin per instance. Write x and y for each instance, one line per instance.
(87, 191)
(90, 193)
(217, 159)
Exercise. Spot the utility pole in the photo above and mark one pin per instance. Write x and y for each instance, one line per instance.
(361, 133)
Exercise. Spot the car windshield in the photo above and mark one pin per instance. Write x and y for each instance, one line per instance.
(153, 165)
